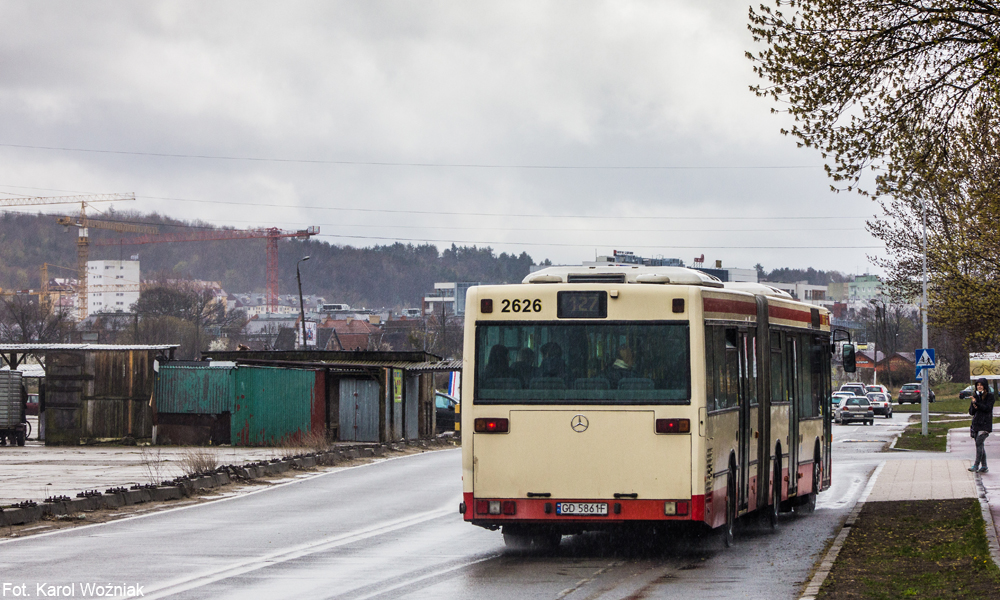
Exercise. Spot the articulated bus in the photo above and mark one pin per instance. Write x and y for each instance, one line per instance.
(613, 396)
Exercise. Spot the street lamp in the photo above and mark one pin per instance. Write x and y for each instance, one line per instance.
(302, 310)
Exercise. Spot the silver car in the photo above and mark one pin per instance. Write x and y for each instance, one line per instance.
(857, 408)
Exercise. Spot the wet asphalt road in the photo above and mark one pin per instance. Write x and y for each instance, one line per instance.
(391, 529)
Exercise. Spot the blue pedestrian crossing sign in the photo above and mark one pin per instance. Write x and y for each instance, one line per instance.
(925, 358)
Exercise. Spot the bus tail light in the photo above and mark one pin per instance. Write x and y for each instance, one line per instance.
(672, 508)
(491, 425)
(496, 507)
(673, 426)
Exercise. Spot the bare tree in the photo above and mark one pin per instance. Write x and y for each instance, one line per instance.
(23, 319)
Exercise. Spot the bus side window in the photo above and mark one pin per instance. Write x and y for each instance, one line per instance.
(709, 367)
(751, 353)
(732, 368)
(721, 383)
(805, 394)
(777, 375)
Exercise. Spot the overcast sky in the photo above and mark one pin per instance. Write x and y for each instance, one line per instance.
(562, 129)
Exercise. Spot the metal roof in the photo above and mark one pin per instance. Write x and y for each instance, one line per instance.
(59, 347)
(438, 365)
(359, 365)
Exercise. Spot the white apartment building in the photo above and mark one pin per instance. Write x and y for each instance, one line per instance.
(112, 285)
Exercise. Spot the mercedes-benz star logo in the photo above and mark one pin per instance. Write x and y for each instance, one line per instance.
(579, 423)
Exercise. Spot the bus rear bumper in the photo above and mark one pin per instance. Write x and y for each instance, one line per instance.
(543, 510)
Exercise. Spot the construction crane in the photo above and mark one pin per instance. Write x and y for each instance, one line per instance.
(83, 224)
(84, 200)
(271, 234)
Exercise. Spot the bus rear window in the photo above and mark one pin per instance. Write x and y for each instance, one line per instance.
(577, 363)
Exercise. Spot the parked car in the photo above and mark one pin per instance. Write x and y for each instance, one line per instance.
(854, 409)
(444, 408)
(881, 389)
(836, 397)
(910, 392)
(881, 405)
(31, 407)
(858, 389)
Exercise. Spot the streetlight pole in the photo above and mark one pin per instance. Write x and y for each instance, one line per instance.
(924, 383)
(302, 310)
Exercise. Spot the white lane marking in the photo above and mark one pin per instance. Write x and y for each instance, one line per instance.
(585, 581)
(416, 580)
(213, 502)
(184, 584)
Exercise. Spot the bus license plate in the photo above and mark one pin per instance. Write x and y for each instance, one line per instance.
(582, 508)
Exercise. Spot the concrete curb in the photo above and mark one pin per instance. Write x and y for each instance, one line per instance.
(831, 555)
(181, 487)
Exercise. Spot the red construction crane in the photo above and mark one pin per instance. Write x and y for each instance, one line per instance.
(271, 234)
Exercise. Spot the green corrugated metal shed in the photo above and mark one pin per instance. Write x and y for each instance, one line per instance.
(277, 405)
(195, 390)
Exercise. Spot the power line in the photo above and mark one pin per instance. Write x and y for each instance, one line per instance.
(477, 214)
(364, 163)
(288, 224)
(590, 245)
(605, 217)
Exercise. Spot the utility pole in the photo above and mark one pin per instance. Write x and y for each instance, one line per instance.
(302, 310)
(924, 381)
(444, 331)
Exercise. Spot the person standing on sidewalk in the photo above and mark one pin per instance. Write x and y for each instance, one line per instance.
(981, 410)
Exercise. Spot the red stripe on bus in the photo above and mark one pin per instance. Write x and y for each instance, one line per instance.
(738, 307)
(789, 314)
(532, 510)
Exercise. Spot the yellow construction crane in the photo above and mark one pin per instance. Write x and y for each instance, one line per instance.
(83, 224)
(82, 241)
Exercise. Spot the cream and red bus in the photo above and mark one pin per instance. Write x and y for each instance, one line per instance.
(611, 396)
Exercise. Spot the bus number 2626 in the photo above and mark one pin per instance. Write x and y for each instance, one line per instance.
(521, 306)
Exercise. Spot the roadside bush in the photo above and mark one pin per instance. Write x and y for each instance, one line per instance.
(939, 374)
(198, 460)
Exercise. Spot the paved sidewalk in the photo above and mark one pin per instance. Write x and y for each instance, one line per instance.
(962, 446)
(923, 479)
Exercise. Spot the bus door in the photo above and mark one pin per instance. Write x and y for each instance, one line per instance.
(793, 355)
(763, 382)
(745, 436)
(826, 409)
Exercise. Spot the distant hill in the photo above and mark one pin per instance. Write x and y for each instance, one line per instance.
(397, 275)
(810, 276)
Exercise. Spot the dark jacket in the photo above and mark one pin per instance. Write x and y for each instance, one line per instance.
(982, 414)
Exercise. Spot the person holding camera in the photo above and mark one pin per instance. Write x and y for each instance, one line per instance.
(981, 410)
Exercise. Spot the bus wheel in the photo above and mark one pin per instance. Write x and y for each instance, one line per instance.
(729, 528)
(516, 539)
(546, 541)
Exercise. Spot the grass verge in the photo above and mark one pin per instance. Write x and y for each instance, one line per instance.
(941, 405)
(915, 549)
(937, 434)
